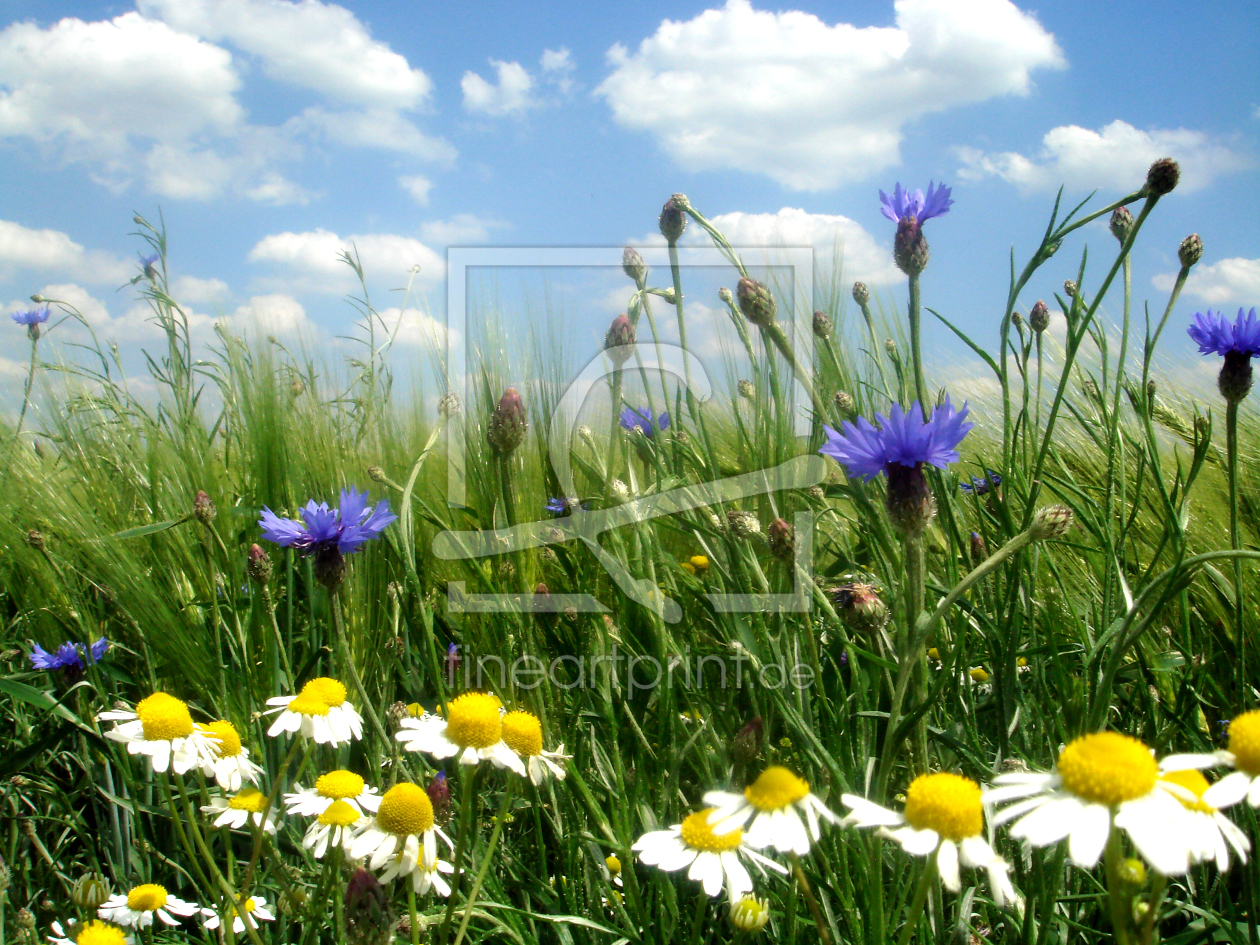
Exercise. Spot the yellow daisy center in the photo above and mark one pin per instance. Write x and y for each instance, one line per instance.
(1196, 784)
(473, 720)
(1107, 768)
(698, 834)
(98, 933)
(250, 906)
(750, 914)
(1244, 742)
(947, 803)
(699, 562)
(776, 788)
(613, 864)
(304, 704)
(339, 784)
(229, 739)
(326, 690)
(523, 733)
(163, 718)
(250, 799)
(979, 674)
(146, 898)
(688, 567)
(405, 809)
(415, 709)
(339, 814)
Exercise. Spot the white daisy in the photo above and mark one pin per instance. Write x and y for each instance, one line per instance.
(243, 807)
(401, 834)
(424, 879)
(1243, 755)
(320, 711)
(712, 859)
(255, 908)
(90, 933)
(522, 732)
(943, 817)
(333, 827)
(161, 728)
(1212, 832)
(472, 729)
(331, 787)
(231, 766)
(137, 907)
(784, 813)
(1102, 780)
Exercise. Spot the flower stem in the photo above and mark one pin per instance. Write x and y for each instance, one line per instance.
(26, 393)
(468, 786)
(824, 933)
(1231, 449)
(485, 861)
(1119, 904)
(347, 658)
(920, 899)
(259, 831)
(916, 319)
(411, 912)
(697, 919)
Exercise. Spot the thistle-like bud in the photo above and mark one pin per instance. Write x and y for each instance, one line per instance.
(1162, 177)
(439, 791)
(861, 294)
(822, 325)
(1191, 250)
(1070, 288)
(845, 403)
(1234, 381)
(750, 914)
(376, 474)
(859, 605)
(1039, 317)
(25, 920)
(673, 220)
(782, 540)
(506, 428)
(910, 503)
(910, 248)
(1017, 320)
(138, 220)
(619, 341)
(449, 405)
(89, 891)
(33, 332)
(633, 265)
(1052, 521)
(890, 347)
(979, 551)
(330, 566)
(258, 565)
(746, 389)
(725, 295)
(203, 508)
(296, 387)
(743, 525)
(369, 920)
(746, 743)
(756, 302)
(35, 539)
(1121, 223)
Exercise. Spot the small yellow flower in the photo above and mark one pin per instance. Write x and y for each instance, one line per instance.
(979, 674)
(699, 562)
(688, 567)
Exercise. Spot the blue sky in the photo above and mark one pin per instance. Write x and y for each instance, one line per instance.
(271, 133)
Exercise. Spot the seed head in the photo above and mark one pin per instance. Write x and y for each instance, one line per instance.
(1162, 177)
(507, 425)
(673, 220)
(1121, 223)
(449, 405)
(782, 540)
(258, 565)
(1191, 250)
(203, 508)
(822, 325)
(633, 266)
(1052, 521)
(743, 525)
(861, 294)
(35, 539)
(619, 341)
(756, 302)
(1039, 317)
(859, 605)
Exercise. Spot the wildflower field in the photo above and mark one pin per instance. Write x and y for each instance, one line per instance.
(931, 671)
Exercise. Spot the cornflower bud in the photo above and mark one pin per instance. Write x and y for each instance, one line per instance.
(725, 295)
(845, 403)
(376, 474)
(1039, 317)
(673, 220)
(258, 565)
(1121, 223)
(619, 341)
(822, 325)
(35, 539)
(1070, 288)
(746, 743)
(782, 540)
(633, 266)
(449, 405)
(368, 917)
(861, 294)
(1162, 177)
(859, 606)
(203, 508)
(1052, 521)
(746, 389)
(1191, 250)
(756, 302)
(439, 791)
(743, 525)
(507, 425)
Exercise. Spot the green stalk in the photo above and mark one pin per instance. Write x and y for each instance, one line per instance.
(1119, 905)
(411, 912)
(824, 933)
(468, 784)
(697, 918)
(486, 859)
(347, 659)
(26, 393)
(1231, 449)
(920, 899)
(916, 318)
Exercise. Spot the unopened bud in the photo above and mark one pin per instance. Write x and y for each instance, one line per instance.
(725, 295)
(1070, 288)
(296, 387)
(859, 605)
(1052, 521)
(633, 266)
(35, 539)
(138, 220)
(1121, 223)
(1017, 320)
(750, 914)
(673, 220)
(507, 425)
(746, 743)
(756, 302)
(1039, 317)
(1132, 873)
(89, 891)
(844, 403)
(38, 299)
(258, 565)
(822, 325)
(782, 540)
(203, 508)
(1191, 250)
(746, 389)
(861, 294)
(1162, 177)
(25, 919)
(619, 341)
(376, 474)
(368, 918)
(890, 347)
(449, 405)
(439, 791)
(979, 551)
(743, 525)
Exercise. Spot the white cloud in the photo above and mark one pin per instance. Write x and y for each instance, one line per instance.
(274, 314)
(379, 128)
(557, 67)
(1231, 281)
(54, 251)
(810, 104)
(312, 45)
(1116, 157)
(463, 228)
(316, 253)
(415, 328)
(192, 290)
(418, 187)
(93, 310)
(509, 95)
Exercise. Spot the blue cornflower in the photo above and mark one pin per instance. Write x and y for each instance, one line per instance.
(904, 438)
(68, 656)
(34, 316)
(641, 420)
(564, 506)
(329, 534)
(1237, 341)
(980, 485)
(904, 204)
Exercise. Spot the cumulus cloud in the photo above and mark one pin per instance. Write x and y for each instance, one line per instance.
(510, 94)
(379, 128)
(193, 290)
(23, 248)
(315, 257)
(1233, 281)
(811, 104)
(1115, 157)
(461, 229)
(557, 67)
(418, 187)
(415, 328)
(274, 314)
